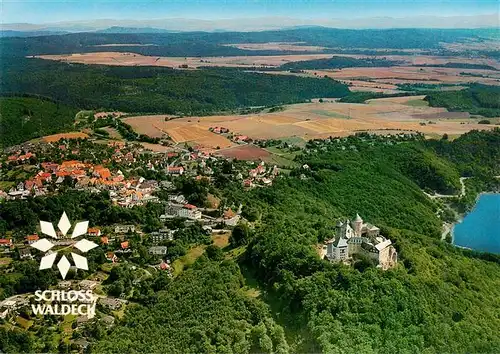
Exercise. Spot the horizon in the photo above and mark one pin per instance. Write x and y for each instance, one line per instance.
(229, 15)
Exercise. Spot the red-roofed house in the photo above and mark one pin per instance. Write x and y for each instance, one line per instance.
(45, 176)
(4, 242)
(29, 184)
(72, 164)
(30, 239)
(164, 266)
(50, 166)
(110, 256)
(102, 172)
(124, 245)
(175, 170)
(26, 156)
(219, 130)
(78, 173)
(241, 138)
(62, 173)
(104, 240)
(94, 231)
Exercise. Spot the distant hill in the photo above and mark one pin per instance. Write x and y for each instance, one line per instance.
(10, 33)
(116, 29)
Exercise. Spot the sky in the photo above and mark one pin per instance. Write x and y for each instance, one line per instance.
(48, 11)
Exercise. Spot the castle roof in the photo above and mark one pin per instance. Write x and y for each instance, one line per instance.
(358, 218)
(382, 245)
(340, 242)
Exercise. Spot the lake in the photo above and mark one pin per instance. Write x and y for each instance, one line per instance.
(480, 229)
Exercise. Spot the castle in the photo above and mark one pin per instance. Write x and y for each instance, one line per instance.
(357, 237)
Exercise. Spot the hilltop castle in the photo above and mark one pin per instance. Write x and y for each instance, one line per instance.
(356, 237)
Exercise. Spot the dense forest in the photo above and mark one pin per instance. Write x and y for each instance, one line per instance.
(336, 62)
(24, 118)
(477, 99)
(473, 154)
(24, 215)
(205, 310)
(460, 66)
(362, 97)
(159, 90)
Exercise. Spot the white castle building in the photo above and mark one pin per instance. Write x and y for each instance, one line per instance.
(357, 237)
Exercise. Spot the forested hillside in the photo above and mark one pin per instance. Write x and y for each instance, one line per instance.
(438, 299)
(160, 90)
(203, 311)
(336, 62)
(24, 118)
(212, 43)
(475, 153)
(478, 99)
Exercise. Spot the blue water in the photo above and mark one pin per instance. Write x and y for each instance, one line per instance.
(480, 229)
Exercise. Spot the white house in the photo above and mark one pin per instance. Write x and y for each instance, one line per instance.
(189, 211)
(162, 235)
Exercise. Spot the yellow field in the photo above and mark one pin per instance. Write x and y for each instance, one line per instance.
(133, 59)
(57, 137)
(393, 75)
(314, 120)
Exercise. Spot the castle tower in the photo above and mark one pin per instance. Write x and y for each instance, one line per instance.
(357, 225)
(340, 229)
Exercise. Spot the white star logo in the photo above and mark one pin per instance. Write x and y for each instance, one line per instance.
(45, 245)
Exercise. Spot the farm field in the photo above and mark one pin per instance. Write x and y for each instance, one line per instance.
(408, 74)
(312, 120)
(133, 59)
(245, 152)
(113, 133)
(57, 137)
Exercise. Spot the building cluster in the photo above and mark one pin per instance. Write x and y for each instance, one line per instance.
(261, 176)
(95, 178)
(237, 138)
(177, 207)
(359, 238)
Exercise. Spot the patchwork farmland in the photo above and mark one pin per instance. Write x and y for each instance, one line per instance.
(312, 120)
